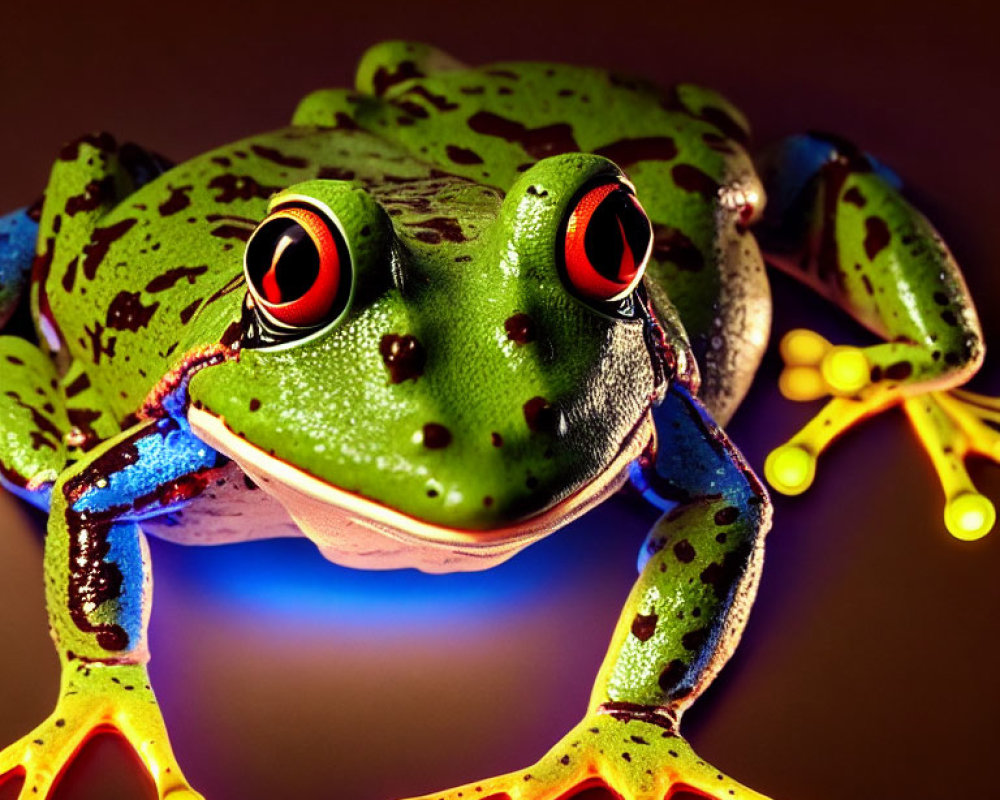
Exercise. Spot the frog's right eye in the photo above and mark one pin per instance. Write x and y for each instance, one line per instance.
(297, 268)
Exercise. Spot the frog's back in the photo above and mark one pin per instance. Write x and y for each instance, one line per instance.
(160, 272)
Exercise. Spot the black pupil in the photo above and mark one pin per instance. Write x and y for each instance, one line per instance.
(284, 249)
(603, 242)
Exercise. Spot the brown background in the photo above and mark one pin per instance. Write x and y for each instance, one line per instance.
(869, 666)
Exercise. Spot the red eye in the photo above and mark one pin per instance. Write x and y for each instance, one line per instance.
(607, 243)
(296, 268)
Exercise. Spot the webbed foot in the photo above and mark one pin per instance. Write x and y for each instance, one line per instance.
(634, 754)
(950, 424)
(96, 698)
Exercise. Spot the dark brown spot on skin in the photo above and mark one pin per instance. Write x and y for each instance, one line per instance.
(103, 142)
(177, 201)
(540, 416)
(100, 242)
(97, 344)
(84, 419)
(684, 552)
(520, 329)
(496, 439)
(232, 232)
(941, 298)
(487, 501)
(270, 154)
(167, 280)
(718, 143)
(693, 640)
(80, 384)
(69, 276)
(254, 403)
(239, 187)
(539, 143)
(725, 123)
(669, 244)
(876, 236)
(383, 78)
(439, 101)
(643, 626)
(335, 174)
(403, 356)
(94, 195)
(868, 285)
(94, 580)
(438, 228)
(127, 313)
(342, 121)
(626, 152)
(727, 515)
(222, 161)
(854, 197)
(462, 155)
(411, 108)
(436, 436)
(691, 179)
(722, 577)
(231, 286)
(672, 675)
(188, 311)
(899, 371)
(949, 318)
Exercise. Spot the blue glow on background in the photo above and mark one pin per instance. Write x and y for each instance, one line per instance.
(289, 580)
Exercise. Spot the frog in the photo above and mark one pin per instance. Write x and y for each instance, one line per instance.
(436, 318)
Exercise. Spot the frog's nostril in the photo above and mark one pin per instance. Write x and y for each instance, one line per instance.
(520, 328)
(543, 417)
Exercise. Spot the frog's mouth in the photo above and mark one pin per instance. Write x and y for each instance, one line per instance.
(356, 531)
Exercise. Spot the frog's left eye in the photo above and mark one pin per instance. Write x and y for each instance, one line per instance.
(606, 243)
(297, 268)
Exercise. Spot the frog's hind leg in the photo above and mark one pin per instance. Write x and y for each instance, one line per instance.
(836, 220)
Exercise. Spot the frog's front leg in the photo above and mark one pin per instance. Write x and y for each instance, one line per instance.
(837, 221)
(698, 574)
(98, 587)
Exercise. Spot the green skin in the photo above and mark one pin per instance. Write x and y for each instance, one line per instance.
(458, 180)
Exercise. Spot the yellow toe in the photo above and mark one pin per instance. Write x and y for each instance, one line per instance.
(845, 369)
(790, 469)
(969, 516)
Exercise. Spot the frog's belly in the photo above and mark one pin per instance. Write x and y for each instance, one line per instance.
(357, 532)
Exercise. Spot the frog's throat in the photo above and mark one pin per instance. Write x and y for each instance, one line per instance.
(356, 531)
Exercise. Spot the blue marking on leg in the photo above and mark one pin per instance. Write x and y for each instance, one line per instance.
(125, 550)
(160, 455)
(797, 159)
(694, 458)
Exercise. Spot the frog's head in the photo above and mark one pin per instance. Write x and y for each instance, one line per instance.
(440, 362)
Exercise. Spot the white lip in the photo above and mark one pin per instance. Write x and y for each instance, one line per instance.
(356, 531)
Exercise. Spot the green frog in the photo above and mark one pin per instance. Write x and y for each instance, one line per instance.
(436, 318)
